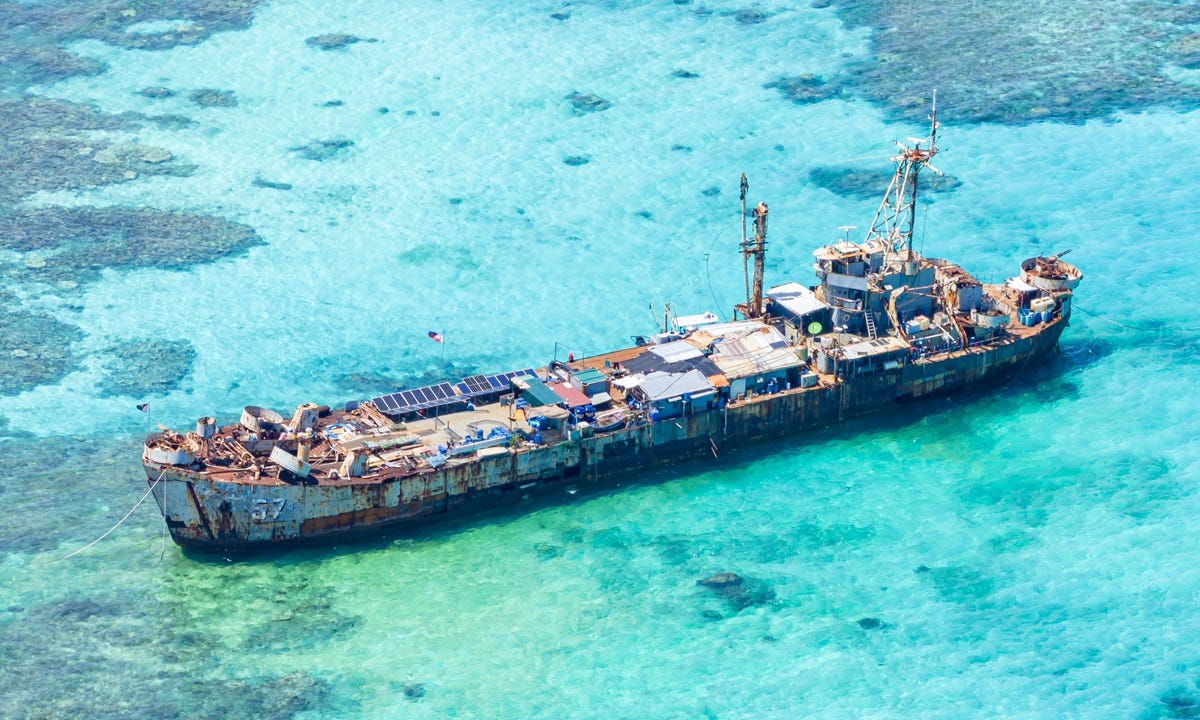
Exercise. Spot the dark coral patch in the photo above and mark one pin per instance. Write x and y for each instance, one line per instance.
(584, 103)
(37, 55)
(365, 383)
(35, 349)
(69, 644)
(851, 182)
(1079, 65)
(805, 89)
(738, 592)
(157, 92)
(961, 584)
(750, 16)
(48, 146)
(414, 691)
(86, 240)
(335, 41)
(1187, 51)
(27, 65)
(322, 150)
(137, 368)
(270, 184)
(213, 98)
(870, 184)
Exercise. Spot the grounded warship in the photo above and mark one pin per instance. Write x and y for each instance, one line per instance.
(883, 325)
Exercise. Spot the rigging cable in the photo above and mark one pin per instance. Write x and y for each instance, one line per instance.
(1114, 322)
(707, 275)
(114, 527)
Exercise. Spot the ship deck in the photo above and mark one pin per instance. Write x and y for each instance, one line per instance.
(393, 449)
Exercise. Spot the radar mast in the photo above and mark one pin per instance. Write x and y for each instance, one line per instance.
(893, 223)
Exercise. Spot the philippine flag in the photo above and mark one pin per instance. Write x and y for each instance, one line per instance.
(435, 336)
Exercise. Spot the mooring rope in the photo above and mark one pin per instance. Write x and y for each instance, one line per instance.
(1114, 322)
(114, 527)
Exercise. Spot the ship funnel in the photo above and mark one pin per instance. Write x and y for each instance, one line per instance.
(206, 427)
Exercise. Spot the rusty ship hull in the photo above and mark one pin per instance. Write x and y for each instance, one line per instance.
(211, 514)
(884, 325)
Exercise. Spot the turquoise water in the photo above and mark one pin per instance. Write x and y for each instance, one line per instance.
(210, 205)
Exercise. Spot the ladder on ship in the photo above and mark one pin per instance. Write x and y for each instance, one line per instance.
(871, 332)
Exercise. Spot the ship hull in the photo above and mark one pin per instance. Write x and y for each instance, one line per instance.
(208, 514)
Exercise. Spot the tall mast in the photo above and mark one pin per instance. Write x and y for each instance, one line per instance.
(894, 221)
(753, 307)
(744, 248)
(760, 254)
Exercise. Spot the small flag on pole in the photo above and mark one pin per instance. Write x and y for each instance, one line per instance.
(435, 336)
(144, 407)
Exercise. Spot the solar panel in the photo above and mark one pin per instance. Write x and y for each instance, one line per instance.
(481, 385)
(422, 398)
(477, 384)
(442, 394)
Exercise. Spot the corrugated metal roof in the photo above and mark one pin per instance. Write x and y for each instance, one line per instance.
(761, 349)
(666, 386)
(535, 391)
(588, 376)
(569, 394)
(653, 362)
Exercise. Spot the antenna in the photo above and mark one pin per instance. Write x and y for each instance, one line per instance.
(846, 231)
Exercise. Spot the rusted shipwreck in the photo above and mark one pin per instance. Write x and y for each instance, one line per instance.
(883, 325)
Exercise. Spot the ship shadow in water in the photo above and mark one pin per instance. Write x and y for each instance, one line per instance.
(1050, 381)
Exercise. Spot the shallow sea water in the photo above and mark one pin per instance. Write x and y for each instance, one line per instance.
(529, 179)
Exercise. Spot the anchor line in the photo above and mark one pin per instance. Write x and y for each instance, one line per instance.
(114, 527)
(1114, 322)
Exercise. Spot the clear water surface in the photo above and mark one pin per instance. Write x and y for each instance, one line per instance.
(216, 204)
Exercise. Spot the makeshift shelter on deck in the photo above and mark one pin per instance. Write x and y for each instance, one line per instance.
(669, 395)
